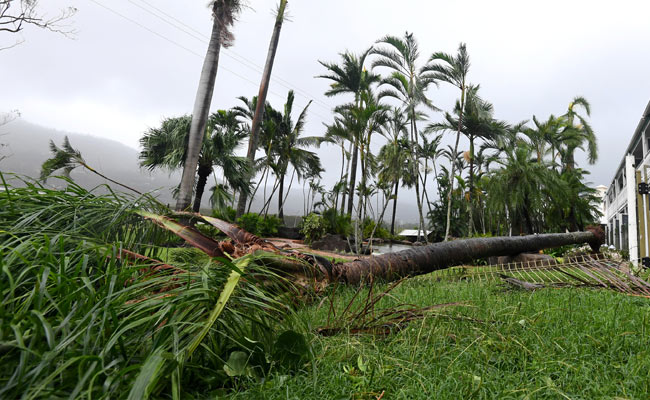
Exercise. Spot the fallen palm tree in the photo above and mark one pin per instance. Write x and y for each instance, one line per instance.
(392, 266)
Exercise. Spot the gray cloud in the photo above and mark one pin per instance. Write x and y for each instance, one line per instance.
(116, 78)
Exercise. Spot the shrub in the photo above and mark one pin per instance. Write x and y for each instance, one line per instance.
(337, 224)
(228, 214)
(259, 225)
(313, 228)
(380, 233)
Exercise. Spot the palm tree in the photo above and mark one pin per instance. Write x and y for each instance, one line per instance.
(543, 137)
(393, 155)
(289, 149)
(224, 13)
(407, 84)
(68, 158)
(339, 132)
(453, 70)
(520, 185)
(264, 87)
(350, 77)
(577, 135)
(165, 147)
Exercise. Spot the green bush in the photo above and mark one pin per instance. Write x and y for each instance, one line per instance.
(228, 214)
(259, 225)
(380, 233)
(337, 224)
(313, 228)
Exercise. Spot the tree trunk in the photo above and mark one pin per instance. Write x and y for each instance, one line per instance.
(347, 177)
(261, 97)
(436, 256)
(416, 166)
(204, 172)
(392, 223)
(200, 116)
(353, 178)
(284, 201)
(470, 223)
(280, 199)
(453, 162)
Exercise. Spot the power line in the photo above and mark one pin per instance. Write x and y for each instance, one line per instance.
(189, 50)
(190, 31)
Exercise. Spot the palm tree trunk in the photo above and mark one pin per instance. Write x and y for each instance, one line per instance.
(267, 203)
(280, 198)
(353, 178)
(415, 161)
(453, 162)
(425, 194)
(261, 97)
(436, 256)
(203, 173)
(250, 203)
(200, 115)
(470, 223)
(284, 201)
(89, 168)
(347, 176)
(338, 191)
(392, 223)
(379, 220)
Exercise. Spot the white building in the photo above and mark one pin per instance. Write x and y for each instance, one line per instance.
(626, 215)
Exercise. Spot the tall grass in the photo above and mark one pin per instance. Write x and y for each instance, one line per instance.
(501, 344)
(78, 320)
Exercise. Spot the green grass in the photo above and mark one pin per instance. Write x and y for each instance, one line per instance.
(552, 343)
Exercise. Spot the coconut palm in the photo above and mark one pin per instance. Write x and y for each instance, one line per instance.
(67, 158)
(165, 147)
(264, 87)
(224, 13)
(452, 69)
(543, 136)
(578, 134)
(408, 84)
(339, 133)
(289, 148)
(519, 187)
(393, 155)
(350, 77)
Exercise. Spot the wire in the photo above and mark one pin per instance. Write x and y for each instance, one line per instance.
(190, 50)
(188, 30)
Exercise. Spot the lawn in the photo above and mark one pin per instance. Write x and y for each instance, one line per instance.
(502, 343)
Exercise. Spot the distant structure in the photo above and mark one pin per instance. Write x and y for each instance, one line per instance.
(412, 235)
(601, 192)
(627, 200)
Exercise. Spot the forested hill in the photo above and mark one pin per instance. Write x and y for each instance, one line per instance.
(25, 146)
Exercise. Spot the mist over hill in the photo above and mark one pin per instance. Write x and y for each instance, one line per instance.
(25, 146)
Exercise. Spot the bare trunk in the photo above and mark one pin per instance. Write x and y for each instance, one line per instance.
(261, 97)
(284, 201)
(250, 203)
(280, 199)
(415, 161)
(347, 177)
(436, 256)
(200, 116)
(374, 229)
(470, 223)
(204, 172)
(353, 178)
(392, 223)
(453, 162)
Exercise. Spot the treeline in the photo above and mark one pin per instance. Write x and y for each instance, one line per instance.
(514, 178)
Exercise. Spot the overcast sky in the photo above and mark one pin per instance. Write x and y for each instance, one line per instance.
(119, 76)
